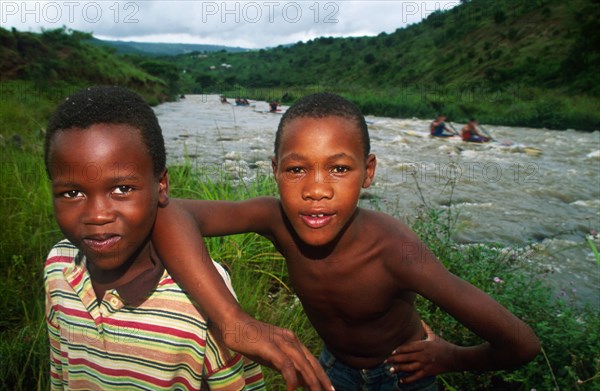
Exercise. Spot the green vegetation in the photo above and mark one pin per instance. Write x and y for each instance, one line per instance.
(570, 335)
(517, 63)
(61, 59)
(162, 49)
(512, 63)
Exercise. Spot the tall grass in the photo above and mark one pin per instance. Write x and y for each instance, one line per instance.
(570, 335)
(26, 230)
(511, 106)
(514, 106)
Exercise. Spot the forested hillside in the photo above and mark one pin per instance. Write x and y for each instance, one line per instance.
(162, 49)
(514, 62)
(536, 61)
(60, 58)
(37, 71)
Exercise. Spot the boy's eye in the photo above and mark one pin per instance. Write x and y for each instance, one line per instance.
(340, 169)
(295, 170)
(72, 194)
(294, 173)
(123, 189)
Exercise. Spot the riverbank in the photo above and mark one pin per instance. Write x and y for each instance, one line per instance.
(569, 333)
(519, 106)
(504, 194)
(526, 107)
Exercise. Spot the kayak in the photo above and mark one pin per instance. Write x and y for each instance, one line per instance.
(269, 112)
(508, 146)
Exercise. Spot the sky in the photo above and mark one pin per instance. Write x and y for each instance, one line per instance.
(247, 24)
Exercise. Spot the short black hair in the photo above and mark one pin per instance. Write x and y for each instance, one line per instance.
(109, 105)
(321, 105)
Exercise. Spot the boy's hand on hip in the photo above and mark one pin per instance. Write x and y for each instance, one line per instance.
(420, 359)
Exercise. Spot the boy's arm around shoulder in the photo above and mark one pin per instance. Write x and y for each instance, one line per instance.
(180, 246)
(217, 218)
(178, 239)
(509, 341)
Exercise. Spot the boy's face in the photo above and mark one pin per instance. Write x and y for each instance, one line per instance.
(320, 171)
(105, 194)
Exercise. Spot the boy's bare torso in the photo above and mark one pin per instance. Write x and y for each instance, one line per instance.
(357, 306)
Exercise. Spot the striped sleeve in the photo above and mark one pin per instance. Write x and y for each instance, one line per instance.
(160, 342)
(60, 253)
(253, 376)
(54, 338)
(223, 369)
(252, 372)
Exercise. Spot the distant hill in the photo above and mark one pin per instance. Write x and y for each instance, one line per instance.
(163, 49)
(64, 57)
(510, 62)
(547, 43)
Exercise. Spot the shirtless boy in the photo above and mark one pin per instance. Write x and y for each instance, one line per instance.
(355, 271)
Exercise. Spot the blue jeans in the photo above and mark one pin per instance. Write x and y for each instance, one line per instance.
(379, 378)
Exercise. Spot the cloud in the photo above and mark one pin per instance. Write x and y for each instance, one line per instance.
(250, 24)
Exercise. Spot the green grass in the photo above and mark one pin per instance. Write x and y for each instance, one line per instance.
(513, 106)
(27, 229)
(570, 335)
(57, 58)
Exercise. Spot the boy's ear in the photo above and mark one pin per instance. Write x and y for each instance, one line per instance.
(163, 189)
(370, 171)
(274, 166)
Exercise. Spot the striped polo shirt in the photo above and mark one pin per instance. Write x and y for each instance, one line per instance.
(147, 335)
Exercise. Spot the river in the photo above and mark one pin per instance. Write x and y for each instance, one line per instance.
(534, 189)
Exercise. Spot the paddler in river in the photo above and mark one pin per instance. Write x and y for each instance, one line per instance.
(273, 106)
(438, 128)
(471, 134)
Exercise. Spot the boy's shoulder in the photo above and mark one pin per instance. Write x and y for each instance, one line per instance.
(62, 254)
(394, 239)
(383, 223)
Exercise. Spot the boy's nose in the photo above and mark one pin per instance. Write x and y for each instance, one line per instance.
(98, 211)
(317, 187)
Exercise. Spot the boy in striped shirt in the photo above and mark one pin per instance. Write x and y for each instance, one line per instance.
(116, 319)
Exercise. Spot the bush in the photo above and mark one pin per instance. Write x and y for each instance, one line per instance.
(570, 335)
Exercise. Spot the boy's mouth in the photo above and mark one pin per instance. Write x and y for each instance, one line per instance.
(101, 242)
(316, 220)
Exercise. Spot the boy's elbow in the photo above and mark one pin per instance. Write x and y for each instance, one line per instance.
(530, 349)
(534, 350)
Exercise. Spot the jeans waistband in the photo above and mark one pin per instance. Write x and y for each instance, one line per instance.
(329, 359)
